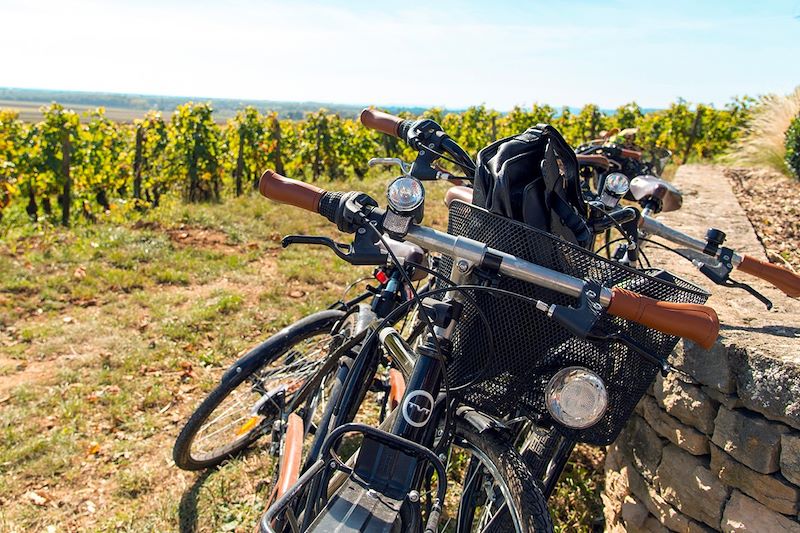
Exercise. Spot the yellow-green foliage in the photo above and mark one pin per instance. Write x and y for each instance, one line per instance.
(115, 165)
(793, 147)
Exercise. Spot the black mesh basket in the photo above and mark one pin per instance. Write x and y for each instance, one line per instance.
(529, 347)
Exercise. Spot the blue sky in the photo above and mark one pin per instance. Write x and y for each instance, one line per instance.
(441, 52)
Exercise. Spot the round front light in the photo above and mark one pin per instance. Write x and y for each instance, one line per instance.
(405, 194)
(617, 184)
(576, 397)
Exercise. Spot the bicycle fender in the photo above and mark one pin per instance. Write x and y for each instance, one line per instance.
(278, 342)
(479, 421)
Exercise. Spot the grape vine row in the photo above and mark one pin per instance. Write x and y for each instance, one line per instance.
(88, 166)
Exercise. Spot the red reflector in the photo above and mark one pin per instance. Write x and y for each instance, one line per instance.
(381, 276)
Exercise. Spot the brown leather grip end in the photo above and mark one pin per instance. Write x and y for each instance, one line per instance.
(594, 160)
(288, 191)
(380, 121)
(698, 323)
(780, 277)
(632, 154)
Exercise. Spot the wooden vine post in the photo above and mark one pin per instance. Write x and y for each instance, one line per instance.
(66, 194)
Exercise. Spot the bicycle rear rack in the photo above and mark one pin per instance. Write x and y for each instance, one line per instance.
(372, 496)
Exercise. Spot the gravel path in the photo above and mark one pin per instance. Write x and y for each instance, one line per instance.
(772, 203)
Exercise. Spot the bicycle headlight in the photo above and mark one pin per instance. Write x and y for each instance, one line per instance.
(615, 186)
(405, 195)
(576, 397)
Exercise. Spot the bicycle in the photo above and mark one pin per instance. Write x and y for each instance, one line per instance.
(601, 165)
(545, 450)
(454, 396)
(282, 386)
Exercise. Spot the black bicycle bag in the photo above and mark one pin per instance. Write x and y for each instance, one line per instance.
(533, 177)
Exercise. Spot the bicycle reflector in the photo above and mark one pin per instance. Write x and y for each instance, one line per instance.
(576, 397)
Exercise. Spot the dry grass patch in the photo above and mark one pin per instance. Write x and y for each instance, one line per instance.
(762, 144)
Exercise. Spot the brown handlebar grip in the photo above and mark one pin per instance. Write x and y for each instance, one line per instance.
(633, 154)
(380, 121)
(288, 191)
(780, 277)
(695, 322)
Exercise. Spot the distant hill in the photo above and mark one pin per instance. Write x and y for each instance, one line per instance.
(126, 107)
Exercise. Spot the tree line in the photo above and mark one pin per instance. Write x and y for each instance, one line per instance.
(62, 167)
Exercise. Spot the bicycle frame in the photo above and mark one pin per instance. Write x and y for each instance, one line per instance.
(413, 429)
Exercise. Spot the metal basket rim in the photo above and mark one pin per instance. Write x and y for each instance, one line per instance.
(690, 287)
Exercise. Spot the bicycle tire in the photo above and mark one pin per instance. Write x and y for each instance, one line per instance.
(317, 324)
(524, 490)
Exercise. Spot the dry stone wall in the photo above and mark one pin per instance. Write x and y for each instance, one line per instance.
(715, 446)
(695, 458)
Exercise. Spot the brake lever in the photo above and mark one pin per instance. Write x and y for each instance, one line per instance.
(662, 364)
(361, 252)
(753, 292)
(581, 321)
(720, 274)
(311, 239)
(404, 167)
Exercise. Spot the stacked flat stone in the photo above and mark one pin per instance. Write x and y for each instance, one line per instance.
(714, 447)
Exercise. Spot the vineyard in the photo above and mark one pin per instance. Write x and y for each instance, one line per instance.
(64, 169)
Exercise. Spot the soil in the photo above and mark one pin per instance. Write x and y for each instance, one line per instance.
(772, 203)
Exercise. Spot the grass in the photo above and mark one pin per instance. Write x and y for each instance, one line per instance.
(762, 144)
(111, 334)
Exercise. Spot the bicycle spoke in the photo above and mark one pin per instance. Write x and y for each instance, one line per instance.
(233, 420)
(221, 429)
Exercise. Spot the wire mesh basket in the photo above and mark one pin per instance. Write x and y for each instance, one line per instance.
(529, 348)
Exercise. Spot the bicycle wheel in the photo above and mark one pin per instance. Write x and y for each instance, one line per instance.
(499, 493)
(250, 398)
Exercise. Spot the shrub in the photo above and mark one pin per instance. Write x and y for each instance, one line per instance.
(792, 144)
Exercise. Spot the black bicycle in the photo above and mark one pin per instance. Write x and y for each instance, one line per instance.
(522, 327)
(611, 173)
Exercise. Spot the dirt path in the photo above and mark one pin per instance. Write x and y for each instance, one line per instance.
(709, 200)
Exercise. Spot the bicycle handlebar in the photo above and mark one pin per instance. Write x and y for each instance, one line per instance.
(782, 278)
(594, 160)
(632, 154)
(382, 122)
(288, 191)
(698, 323)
